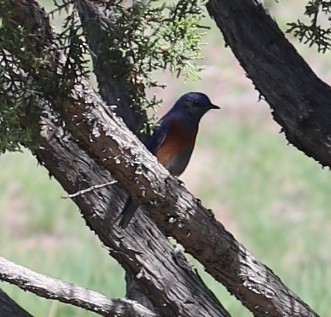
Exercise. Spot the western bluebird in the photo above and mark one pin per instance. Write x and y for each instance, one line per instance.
(174, 138)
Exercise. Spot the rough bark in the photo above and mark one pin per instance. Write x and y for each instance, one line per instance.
(300, 101)
(162, 273)
(114, 87)
(9, 308)
(172, 287)
(177, 212)
(142, 249)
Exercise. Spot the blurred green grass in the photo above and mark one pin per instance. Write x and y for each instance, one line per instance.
(271, 196)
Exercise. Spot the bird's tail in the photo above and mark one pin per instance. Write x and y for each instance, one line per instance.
(127, 212)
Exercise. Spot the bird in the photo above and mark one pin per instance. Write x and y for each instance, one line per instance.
(173, 140)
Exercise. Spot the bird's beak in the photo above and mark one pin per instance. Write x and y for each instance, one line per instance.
(214, 107)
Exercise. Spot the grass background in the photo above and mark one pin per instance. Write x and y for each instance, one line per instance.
(274, 199)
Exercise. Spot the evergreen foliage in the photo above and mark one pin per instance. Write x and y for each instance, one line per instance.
(150, 35)
(318, 31)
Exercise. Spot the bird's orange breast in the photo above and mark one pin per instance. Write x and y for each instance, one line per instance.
(178, 140)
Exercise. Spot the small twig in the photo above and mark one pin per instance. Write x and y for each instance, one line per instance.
(47, 287)
(84, 191)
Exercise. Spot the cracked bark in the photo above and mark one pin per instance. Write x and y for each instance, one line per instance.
(143, 251)
(113, 87)
(300, 101)
(178, 213)
(173, 209)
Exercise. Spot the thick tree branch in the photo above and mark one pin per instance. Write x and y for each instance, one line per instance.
(300, 101)
(163, 274)
(170, 205)
(64, 292)
(175, 210)
(142, 250)
(114, 87)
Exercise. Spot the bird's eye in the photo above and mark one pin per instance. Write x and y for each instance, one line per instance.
(195, 103)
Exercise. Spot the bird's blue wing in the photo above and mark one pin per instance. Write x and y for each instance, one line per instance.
(154, 141)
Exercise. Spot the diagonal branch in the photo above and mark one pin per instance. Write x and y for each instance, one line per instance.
(177, 212)
(64, 292)
(144, 252)
(171, 207)
(300, 101)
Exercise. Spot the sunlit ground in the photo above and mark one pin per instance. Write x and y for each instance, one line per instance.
(272, 197)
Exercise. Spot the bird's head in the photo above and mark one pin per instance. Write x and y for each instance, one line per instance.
(192, 106)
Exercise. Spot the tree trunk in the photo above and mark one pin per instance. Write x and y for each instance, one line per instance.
(105, 149)
(300, 101)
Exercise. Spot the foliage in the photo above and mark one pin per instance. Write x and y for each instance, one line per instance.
(23, 47)
(74, 48)
(149, 35)
(315, 33)
(17, 107)
(166, 36)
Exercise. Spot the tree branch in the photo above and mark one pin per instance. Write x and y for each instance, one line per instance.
(177, 212)
(172, 208)
(114, 87)
(64, 292)
(300, 101)
(163, 274)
